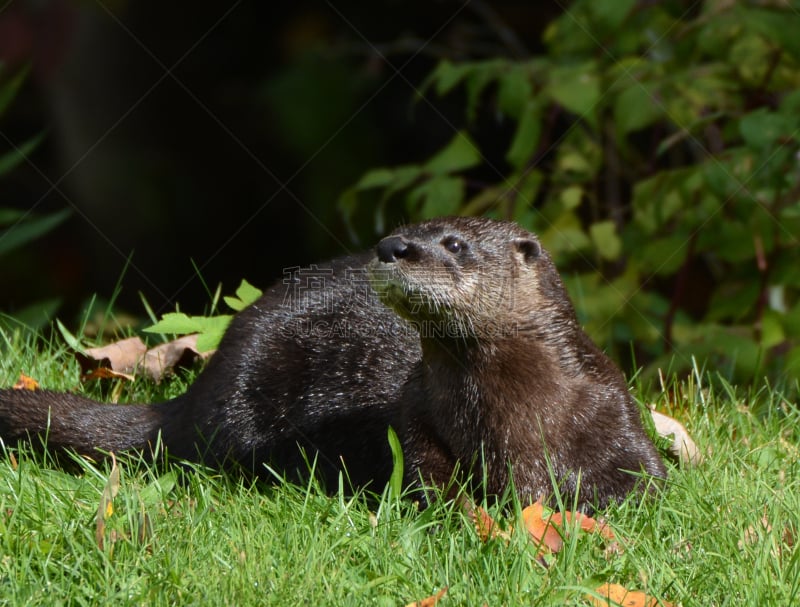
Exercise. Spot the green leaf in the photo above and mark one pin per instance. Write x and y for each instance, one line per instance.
(733, 301)
(396, 478)
(11, 159)
(376, 178)
(571, 197)
(404, 176)
(246, 294)
(476, 82)
(772, 332)
(661, 198)
(8, 216)
(663, 256)
(72, 341)
(762, 127)
(460, 154)
(565, 235)
(573, 162)
(178, 323)
(730, 240)
(209, 328)
(611, 13)
(527, 188)
(441, 195)
(8, 90)
(514, 92)
(779, 27)
(447, 76)
(636, 108)
(526, 138)
(209, 339)
(576, 88)
(606, 240)
(28, 229)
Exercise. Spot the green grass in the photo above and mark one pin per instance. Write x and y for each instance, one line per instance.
(723, 533)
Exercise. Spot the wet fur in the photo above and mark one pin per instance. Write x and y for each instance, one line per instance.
(472, 356)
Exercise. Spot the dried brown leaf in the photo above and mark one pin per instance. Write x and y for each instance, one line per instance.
(683, 448)
(124, 358)
(121, 356)
(105, 373)
(181, 352)
(106, 507)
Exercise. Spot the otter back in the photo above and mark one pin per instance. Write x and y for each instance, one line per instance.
(456, 332)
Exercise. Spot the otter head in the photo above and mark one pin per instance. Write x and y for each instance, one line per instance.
(459, 276)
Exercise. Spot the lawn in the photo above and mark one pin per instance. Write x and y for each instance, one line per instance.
(722, 533)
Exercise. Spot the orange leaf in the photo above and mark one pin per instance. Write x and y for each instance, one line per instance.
(430, 601)
(105, 373)
(485, 525)
(619, 595)
(26, 383)
(549, 530)
(540, 528)
(587, 523)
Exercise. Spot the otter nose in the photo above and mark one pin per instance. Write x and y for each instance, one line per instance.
(392, 248)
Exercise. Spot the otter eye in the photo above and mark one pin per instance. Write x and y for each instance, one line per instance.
(453, 244)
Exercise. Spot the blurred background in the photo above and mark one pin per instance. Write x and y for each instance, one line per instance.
(156, 151)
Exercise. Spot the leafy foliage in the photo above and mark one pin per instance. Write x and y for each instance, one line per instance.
(655, 152)
(209, 328)
(20, 228)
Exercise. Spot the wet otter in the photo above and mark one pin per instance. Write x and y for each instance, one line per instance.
(457, 332)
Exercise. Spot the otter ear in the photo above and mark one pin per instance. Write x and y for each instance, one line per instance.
(530, 249)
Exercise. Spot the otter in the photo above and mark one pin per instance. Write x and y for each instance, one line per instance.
(456, 332)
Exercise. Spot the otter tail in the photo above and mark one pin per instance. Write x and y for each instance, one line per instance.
(69, 421)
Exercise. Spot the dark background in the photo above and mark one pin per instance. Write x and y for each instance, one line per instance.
(205, 143)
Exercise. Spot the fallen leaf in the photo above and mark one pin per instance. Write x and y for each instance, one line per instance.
(485, 525)
(26, 383)
(123, 359)
(683, 448)
(586, 523)
(614, 594)
(430, 601)
(549, 530)
(540, 529)
(106, 507)
(105, 373)
(121, 356)
(181, 352)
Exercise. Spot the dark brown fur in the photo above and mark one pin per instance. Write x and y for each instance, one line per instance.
(478, 362)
